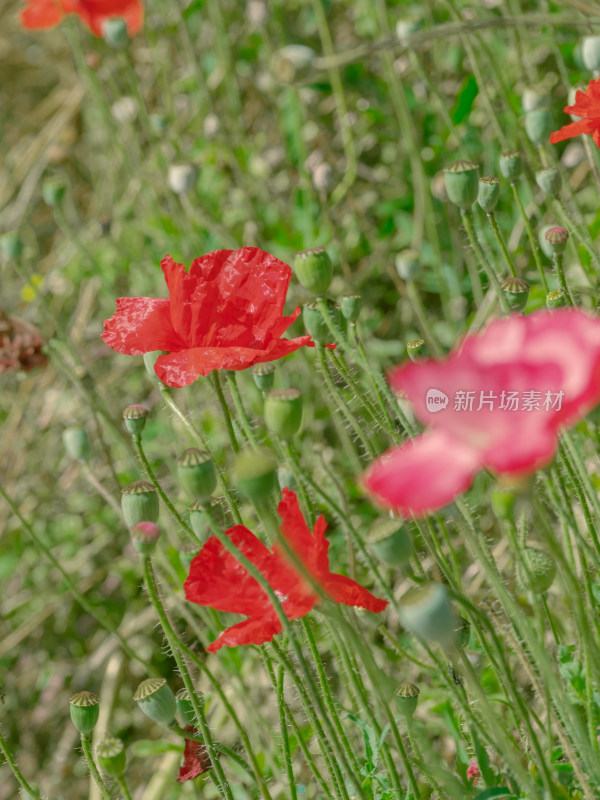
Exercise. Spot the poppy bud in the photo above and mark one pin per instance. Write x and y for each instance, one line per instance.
(541, 570)
(390, 541)
(407, 697)
(314, 322)
(556, 299)
(111, 756)
(503, 503)
(11, 245)
(314, 269)
(53, 192)
(198, 520)
(557, 239)
(488, 193)
(426, 612)
(185, 709)
(350, 306)
(590, 52)
(135, 419)
(405, 29)
(516, 291)
(549, 181)
(76, 444)
(114, 32)
(144, 536)
(533, 99)
(417, 349)
(255, 474)
(182, 178)
(511, 165)
(538, 125)
(463, 631)
(139, 503)
(196, 473)
(460, 179)
(283, 412)
(156, 700)
(407, 264)
(85, 709)
(264, 375)
(292, 63)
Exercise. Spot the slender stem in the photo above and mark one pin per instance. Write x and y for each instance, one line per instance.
(285, 739)
(87, 752)
(530, 235)
(216, 382)
(467, 219)
(15, 769)
(501, 243)
(241, 411)
(557, 260)
(124, 788)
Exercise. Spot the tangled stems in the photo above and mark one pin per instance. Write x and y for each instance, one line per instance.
(287, 756)
(87, 753)
(15, 769)
(467, 219)
(216, 382)
(532, 242)
(501, 243)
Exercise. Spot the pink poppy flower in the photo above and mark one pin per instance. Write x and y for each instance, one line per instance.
(498, 401)
(473, 772)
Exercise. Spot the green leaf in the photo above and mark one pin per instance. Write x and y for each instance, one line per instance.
(494, 791)
(465, 99)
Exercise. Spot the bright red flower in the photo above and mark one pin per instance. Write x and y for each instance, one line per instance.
(92, 13)
(509, 390)
(473, 771)
(586, 106)
(218, 580)
(195, 759)
(225, 313)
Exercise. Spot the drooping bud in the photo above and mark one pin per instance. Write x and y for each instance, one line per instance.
(185, 709)
(556, 299)
(156, 700)
(557, 239)
(516, 291)
(85, 709)
(511, 165)
(417, 349)
(460, 179)
(549, 181)
(407, 698)
(283, 412)
(488, 193)
(314, 322)
(196, 473)
(407, 264)
(350, 306)
(590, 52)
(182, 178)
(314, 269)
(53, 192)
(144, 536)
(255, 474)
(135, 418)
(114, 32)
(76, 444)
(426, 612)
(293, 63)
(264, 376)
(539, 125)
(139, 503)
(111, 756)
(390, 541)
(11, 245)
(541, 570)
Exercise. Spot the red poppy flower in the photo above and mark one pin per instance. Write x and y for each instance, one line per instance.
(218, 580)
(225, 313)
(499, 401)
(586, 106)
(195, 758)
(473, 772)
(93, 13)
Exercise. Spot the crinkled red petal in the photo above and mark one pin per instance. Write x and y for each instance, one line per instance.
(140, 325)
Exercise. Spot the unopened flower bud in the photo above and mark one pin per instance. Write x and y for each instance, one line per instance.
(85, 709)
(182, 178)
(135, 418)
(516, 291)
(314, 322)
(185, 709)
(283, 412)
(407, 264)
(461, 181)
(255, 474)
(426, 612)
(488, 193)
(416, 349)
(407, 697)
(111, 756)
(549, 181)
(390, 541)
(557, 239)
(541, 570)
(293, 63)
(139, 503)
(264, 376)
(350, 306)
(144, 536)
(114, 32)
(590, 52)
(314, 269)
(156, 700)
(511, 165)
(53, 192)
(11, 245)
(556, 299)
(538, 125)
(196, 473)
(76, 444)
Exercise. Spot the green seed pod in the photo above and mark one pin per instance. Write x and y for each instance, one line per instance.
(314, 322)
(541, 568)
(135, 419)
(417, 349)
(283, 412)
(460, 179)
(196, 473)
(111, 756)
(76, 444)
(503, 503)
(407, 698)
(426, 612)
(407, 264)
(463, 631)
(511, 165)
(156, 700)
(255, 474)
(139, 503)
(199, 520)
(314, 269)
(350, 306)
(549, 181)
(264, 376)
(538, 125)
(53, 192)
(557, 239)
(144, 536)
(11, 245)
(590, 52)
(488, 193)
(85, 709)
(114, 32)
(185, 709)
(516, 291)
(390, 541)
(293, 63)
(556, 299)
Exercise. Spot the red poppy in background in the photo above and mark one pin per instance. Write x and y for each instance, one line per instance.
(218, 580)
(498, 401)
(225, 313)
(195, 758)
(92, 13)
(586, 106)
(473, 773)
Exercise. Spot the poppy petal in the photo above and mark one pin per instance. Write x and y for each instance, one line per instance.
(250, 631)
(140, 325)
(310, 549)
(345, 590)
(195, 759)
(41, 14)
(573, 129)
